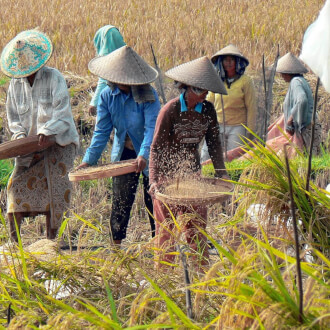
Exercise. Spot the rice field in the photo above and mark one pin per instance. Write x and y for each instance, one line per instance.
(79, 282)
(179, 30)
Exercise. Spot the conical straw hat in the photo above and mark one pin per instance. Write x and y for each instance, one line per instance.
(123, 66)
(229, 50)
(290, 64)
(198, 73)
(26, 54)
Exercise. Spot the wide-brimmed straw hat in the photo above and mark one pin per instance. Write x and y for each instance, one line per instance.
(123, 66)
(198, 73)
(290, 64)
(26, 54)
(229, 50)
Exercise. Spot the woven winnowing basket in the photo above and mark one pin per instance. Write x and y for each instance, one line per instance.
(205, 191)
(104, 171)
(23, 147)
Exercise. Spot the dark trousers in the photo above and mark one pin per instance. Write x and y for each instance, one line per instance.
(124, 191)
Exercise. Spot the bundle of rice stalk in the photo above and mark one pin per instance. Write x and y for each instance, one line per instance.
(265, 182)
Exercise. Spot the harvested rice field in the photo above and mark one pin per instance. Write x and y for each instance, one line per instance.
(80, 281)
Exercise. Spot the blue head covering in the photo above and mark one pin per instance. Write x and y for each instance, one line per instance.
(241, 64)
(230, 50)
(107, 39)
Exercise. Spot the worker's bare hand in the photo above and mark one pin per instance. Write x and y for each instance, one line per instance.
(82, 165)
(141, 164)
(153, 189)
(289, 130)
(43, 140)
(206, 162)
(290, 121)
(92, 110)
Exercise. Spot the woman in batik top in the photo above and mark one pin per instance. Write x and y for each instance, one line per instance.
(181, 125)
(38, 103)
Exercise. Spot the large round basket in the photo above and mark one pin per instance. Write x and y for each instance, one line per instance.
(23, 147)
(104, 171)
(204, 191)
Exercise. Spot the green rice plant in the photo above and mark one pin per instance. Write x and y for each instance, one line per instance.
(90, 278)
(265, 182)
(253, 286)
(3, 80)
(257, 288)
(6, 168)
(234, 169)
(320, 168)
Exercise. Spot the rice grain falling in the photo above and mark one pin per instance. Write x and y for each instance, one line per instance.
(194, 189)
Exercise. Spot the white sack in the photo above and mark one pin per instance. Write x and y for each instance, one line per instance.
(316, 46)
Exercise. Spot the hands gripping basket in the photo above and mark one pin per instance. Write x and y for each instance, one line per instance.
(23, 147)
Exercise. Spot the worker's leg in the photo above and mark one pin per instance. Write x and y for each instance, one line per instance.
(18, 216)
(165, 241)
(124, 190)
(51, 232)
(197, 241)
(148, 204)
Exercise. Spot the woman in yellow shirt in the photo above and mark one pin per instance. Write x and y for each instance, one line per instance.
(240, 103)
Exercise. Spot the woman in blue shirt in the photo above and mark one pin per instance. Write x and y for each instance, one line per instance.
(130, 106)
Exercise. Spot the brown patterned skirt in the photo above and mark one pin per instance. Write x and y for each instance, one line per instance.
(44, 185)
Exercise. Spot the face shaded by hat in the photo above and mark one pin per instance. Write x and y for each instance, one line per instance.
(290, 64)
(26, 54)
(198, 73)
(231, 50)
(123, 67)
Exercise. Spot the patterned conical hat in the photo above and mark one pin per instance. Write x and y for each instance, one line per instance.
(290, 64)
(229, 50)
(26, 54)
(123, 66)
(198, 73)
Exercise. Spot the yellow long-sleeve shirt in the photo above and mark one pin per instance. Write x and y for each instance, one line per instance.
(240, 103)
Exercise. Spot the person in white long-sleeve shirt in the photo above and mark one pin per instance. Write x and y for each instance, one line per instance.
(43, 108)
(38, 103)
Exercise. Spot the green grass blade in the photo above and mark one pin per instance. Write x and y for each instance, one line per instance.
(111, 302)
(89, 224)
(171, 304)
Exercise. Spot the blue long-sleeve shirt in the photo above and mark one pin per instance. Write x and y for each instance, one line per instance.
(117, 110)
